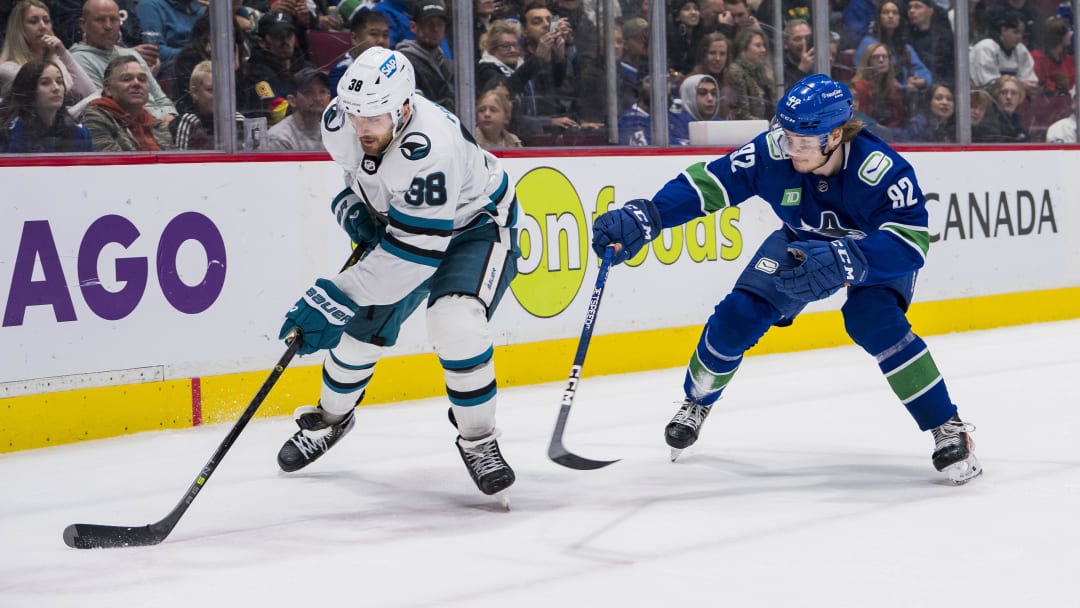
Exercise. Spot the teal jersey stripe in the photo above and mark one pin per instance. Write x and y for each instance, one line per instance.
(461, 364)
(421, 222)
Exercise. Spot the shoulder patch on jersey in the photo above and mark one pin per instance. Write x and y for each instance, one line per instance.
(264, 90)
(332, 119)
(876, 165)
(415, 146)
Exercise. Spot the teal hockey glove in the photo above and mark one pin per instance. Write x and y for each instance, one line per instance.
(633, 225)
(355, 219)
(825, 267)
(320, 316)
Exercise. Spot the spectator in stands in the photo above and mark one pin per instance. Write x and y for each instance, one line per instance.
(194, 129)
(367, 28)
(936, 120)
(749, 79)
(635, 34)
(493, 115)
(1003, 53)
(635, 123)
(986, 121)
(932, 38)
(710, 15)
(501, 57)
(840, 71)
(877, 94)
(483, 17)
(737, 17)
(1030, 16)
(699, 99)
(274, 63)
(684, 32)
(858, 16)
(712, 56)
(399, 16)
(434, 72)
(67, 13)
(798, 52)
(891, 29)
(1010, 93)
(118, 121)
(1054, 65)
(168, 23)
(34, 116)
(199, 49)
(30, 36)
(300, 130)
(100, 24)
(544, 71)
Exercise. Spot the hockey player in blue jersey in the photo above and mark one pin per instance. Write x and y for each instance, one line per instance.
(437, 214)
(853, 217)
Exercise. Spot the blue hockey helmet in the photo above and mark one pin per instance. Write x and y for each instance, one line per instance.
(815, 105)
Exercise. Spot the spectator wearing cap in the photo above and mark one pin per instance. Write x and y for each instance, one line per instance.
(168, 23)
(100, 24)
(274, 62)
(1003, 53)
(434, 72)
(367, 28)
(399, 16)
(300, 130)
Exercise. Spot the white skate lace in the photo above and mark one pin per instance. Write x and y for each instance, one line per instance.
(484, 459)
(948, 434)
(309, 446)
(691, 414)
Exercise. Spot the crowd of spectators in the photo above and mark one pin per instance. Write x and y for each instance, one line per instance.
(124, 75)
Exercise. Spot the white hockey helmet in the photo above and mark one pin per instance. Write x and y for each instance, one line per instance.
(380, 81)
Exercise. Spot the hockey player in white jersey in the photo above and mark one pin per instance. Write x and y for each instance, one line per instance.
(437, 214)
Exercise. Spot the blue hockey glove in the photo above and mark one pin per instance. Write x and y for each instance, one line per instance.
(633, 225)
(352, 214)
(826, 267)
(321, 316)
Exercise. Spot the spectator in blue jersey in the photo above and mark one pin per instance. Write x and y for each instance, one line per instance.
(854, 219)
(34, 115)
(698, 100)
(367, 28)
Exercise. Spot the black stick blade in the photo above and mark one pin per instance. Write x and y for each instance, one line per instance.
(559, 454)
(93, 536)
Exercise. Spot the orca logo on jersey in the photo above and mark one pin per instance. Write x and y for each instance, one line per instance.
(415, 146)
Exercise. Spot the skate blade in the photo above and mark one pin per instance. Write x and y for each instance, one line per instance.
(503, 497)
(964, 471)
(675, 452)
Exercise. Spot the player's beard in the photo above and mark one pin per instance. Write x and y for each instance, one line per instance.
(374, 145)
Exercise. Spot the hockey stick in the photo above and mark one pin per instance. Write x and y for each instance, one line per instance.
(96, 536)
(556, 450)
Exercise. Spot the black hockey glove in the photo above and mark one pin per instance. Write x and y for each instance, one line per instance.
(633, 225)
(825, 267)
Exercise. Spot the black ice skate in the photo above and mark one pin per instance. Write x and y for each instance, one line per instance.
(318, 433)
(954, 451)
(684, 428)
(485, 462)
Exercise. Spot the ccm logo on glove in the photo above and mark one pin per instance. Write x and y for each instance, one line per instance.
(845, 261)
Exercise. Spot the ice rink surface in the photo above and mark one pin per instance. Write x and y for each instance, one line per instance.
(810, 486)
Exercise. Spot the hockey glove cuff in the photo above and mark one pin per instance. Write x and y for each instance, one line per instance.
(825, 267)
(353, 216)
(320, 316)
(633, 225)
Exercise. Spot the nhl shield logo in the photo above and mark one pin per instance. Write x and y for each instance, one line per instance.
(369, 165)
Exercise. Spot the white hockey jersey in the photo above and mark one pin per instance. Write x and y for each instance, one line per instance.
(432, 182)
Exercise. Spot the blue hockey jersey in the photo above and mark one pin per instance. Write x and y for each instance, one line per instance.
(875, 198)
